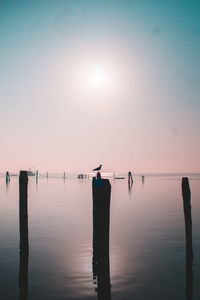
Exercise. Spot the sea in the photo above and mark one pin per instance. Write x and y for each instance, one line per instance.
(147, 244)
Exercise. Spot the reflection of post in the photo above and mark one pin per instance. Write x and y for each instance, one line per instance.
(101, 222)
(23, 229)
(130, 185)
(188, 233)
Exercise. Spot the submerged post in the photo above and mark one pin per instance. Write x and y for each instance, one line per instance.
(188, 234)
(101, 190)
(23, 229)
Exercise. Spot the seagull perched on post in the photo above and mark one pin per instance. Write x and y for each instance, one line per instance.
(97, 169)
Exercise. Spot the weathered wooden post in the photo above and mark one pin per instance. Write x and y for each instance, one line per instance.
(188, 234)
(47, 175)
(188, 219)
(23, 229)
(64, 176)
(101, 190)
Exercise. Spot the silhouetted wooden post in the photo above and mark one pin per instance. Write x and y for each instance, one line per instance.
(188, 219)
(130, 181)
(47, 175)
(101, 190)
(64, 175)
(130, 177)
(36, 176)
(143, 179)
(7, 177)
(23, 229)
(188, 234)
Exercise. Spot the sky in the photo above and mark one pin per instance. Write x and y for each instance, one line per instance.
(114, 82)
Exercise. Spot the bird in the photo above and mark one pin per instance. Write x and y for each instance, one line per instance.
(97, 169)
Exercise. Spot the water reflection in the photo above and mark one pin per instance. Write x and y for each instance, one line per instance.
(7, 184)
(130, 186)
(23, 230)
(189, 280)
(147, 239)
(101, 224)
(23, 274)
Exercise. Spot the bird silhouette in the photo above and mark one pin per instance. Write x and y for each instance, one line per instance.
(97, 169)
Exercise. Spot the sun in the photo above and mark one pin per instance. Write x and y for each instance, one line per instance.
(89, 77)
(98, 76)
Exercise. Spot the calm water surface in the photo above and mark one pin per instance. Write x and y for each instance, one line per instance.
(147, 239)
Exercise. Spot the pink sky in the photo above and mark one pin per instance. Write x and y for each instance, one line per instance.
(103, 88)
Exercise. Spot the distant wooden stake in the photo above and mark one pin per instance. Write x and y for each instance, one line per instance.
(130, 177)
(143, 179)
(36, 176)
(7, 177)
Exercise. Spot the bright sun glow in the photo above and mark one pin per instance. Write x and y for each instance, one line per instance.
(98, 76)
(91, 78)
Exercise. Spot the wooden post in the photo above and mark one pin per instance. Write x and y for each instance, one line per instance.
(188, 234)
(130, 177)
(64, 175)
(101, 190)
(23, 229)
(36, 176)
(7, 177)
(47, 175)
(130, 181)
(188, 219)
(143, 179)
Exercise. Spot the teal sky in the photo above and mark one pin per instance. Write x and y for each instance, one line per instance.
(144, 118)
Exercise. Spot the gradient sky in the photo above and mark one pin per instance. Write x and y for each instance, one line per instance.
(145, 116)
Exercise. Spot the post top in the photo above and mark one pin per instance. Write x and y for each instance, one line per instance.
(23, 175)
